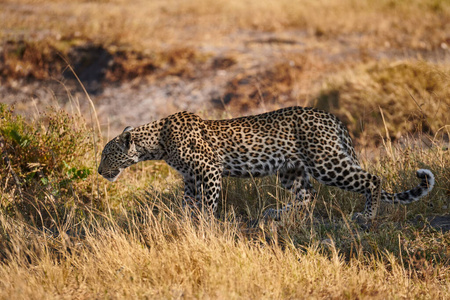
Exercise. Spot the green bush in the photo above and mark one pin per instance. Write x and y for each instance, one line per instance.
(47, 161)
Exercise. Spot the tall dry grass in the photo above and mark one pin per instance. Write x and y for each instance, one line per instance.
(165, 255)
(394, 99)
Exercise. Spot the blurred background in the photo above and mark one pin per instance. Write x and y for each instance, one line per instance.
(143, 60)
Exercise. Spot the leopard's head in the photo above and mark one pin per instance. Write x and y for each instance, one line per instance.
(118, 154)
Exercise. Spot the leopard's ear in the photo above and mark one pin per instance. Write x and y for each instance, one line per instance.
(128, 128)
(125, 140)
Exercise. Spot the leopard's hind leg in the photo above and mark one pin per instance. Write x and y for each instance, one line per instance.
(297, 181)
(350, 176)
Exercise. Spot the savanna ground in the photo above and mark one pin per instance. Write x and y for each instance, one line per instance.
(381, 66)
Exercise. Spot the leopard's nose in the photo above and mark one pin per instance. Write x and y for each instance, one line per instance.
(99, 171)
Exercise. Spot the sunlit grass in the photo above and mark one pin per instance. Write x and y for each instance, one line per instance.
(166, 255)
(411, 97)
(148, 23)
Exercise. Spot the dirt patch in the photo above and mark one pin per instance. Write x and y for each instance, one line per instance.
(91, 63)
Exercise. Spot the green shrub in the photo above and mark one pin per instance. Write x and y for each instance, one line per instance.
(47, 161)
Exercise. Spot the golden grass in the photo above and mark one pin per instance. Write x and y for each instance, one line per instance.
(152, 23)
(170, 256)
(414, 96)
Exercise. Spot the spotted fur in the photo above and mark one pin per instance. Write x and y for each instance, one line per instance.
(296, 143)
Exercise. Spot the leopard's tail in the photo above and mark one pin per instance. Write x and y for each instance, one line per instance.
(412, 195)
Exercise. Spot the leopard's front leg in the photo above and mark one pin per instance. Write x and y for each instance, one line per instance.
(189, 199)
(200, 165)
(208, 186)
(202, 187)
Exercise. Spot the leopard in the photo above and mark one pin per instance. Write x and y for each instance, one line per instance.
(294, 143)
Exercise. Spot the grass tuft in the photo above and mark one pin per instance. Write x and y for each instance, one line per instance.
(414, 96)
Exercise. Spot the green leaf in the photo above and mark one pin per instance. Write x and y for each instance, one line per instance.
(44, 180)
